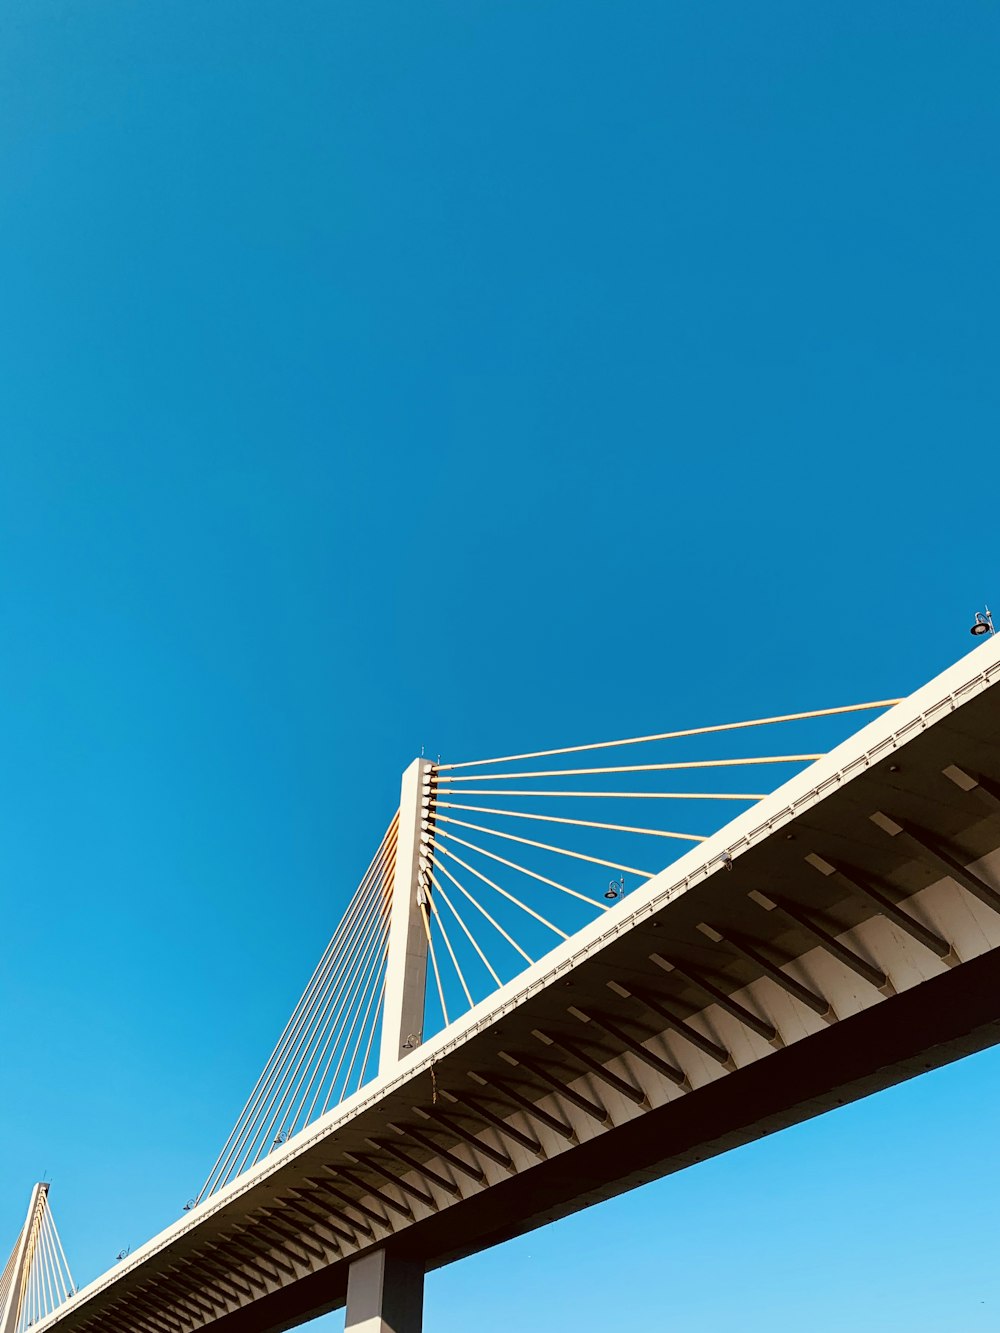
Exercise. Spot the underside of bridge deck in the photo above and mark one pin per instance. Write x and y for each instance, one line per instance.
(851, 942)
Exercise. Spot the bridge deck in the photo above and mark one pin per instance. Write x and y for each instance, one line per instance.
(843, 935)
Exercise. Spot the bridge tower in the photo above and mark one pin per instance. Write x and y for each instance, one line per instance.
(406, 968)
(36, 1279)
(385, 1292)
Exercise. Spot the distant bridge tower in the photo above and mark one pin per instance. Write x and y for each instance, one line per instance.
(36, 1279)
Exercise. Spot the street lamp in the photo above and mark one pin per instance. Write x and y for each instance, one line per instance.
(983, 624)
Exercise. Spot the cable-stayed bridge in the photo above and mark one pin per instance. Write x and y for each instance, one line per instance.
(523, 1012)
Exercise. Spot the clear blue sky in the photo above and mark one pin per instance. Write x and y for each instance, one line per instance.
(479, 376)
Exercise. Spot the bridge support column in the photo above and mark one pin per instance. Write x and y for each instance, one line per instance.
(406, 966)
(385, 1294)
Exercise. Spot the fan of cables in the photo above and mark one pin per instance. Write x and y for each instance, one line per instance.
(519, 854)
(329, 1046)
